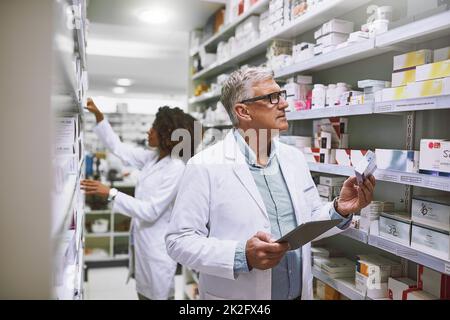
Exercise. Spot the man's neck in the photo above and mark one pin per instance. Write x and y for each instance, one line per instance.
(260, 141)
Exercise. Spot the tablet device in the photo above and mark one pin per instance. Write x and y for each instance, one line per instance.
(307, 232)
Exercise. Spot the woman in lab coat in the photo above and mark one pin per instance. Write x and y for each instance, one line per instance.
(155, 193)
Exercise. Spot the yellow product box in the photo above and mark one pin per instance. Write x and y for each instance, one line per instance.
(441, 54)
(435, 70)
(413, 59)
(397, 93)
(428, 88)
(402, 78)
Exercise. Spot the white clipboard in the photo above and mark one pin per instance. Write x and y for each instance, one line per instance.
(307, 232)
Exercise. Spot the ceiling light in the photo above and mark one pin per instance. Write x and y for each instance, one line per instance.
(156, 15)
(119, 90)
(124, 82)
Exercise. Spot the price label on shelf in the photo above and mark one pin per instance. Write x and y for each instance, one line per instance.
(384, 107)
(447, 268)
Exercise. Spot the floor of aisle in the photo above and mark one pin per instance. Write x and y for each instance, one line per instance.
(110, 284)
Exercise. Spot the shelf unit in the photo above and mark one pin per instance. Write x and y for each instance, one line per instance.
(43, 254)
(397, 106)
(346, 286)
(311, 19)
(407, 37)
(206, 97)
(107, 241)
(405, 178)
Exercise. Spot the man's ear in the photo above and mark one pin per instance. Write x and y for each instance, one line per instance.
(242, 113)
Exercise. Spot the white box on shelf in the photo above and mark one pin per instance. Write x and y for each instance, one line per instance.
(434, 156)
(327, 191)
(412, 59)
(436, 70)
(397, 93)
(428, 88)
(402, 78)
(332, 181)
(441, 54)
(343, 157)
(395, 227)
(431, 211)
(325, 140)
(319, 155)
(420, 295)
(373, 291)
(338, 268)
(398, 160)
(398, 287)
(377, 268)
(318, 33)
(337, 26)
(433, 282)
(429, 240)
(333, 39)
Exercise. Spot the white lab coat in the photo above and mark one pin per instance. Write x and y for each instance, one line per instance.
(219, 205)
(150, 211)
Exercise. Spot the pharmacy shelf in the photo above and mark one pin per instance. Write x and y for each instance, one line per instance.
(331, 112)
(414, 179)
(396, 39)
(429, 103)
(104, 259)
(411, 254)
(204, 98)
(311, 19)
(345, 286)
(331, 169)
(406, 178)
(356, 234)
(98, 235)
(228, 30)
(433, 27)
(351, 53)
(64, 205)
(398, 249)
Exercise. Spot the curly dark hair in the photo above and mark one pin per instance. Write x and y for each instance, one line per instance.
(167, 121)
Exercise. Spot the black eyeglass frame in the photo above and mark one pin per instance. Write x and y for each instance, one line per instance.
(268, 97)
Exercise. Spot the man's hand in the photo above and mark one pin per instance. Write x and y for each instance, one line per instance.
(93, 109)
(263, 252)
(95, 187)
(354, 197)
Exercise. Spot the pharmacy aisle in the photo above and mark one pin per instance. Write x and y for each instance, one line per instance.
(361, 77)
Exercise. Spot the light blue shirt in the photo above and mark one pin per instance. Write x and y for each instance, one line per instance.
(287, 275)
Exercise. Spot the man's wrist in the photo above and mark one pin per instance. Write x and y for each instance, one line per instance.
(336, 207)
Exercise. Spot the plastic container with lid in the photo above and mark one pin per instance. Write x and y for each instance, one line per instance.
(341, 88)
(330, 99)
(319, 93)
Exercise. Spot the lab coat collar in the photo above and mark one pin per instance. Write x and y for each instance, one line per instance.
(249, 154)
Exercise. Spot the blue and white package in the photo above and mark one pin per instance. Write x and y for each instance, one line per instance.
(366, 167)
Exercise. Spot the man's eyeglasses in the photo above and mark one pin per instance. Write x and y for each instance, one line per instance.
(273, 97)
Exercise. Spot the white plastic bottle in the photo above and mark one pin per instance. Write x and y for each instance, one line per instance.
(341, 87)
(331, 89)
(318, 96)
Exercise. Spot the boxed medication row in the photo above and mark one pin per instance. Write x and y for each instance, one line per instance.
(418, 90)
(432, 71)
(377, 268)
(395, 227)
(398, 160)
(435, 156)
(398, 288)
(435, 242)
(431, 211)
(412, 59)
(433, 282)
(338, 267)
(334, 25)
(328, 191)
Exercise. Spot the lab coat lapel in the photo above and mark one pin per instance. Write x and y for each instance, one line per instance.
(242, 172)
(288, 171)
